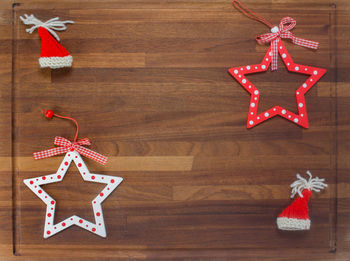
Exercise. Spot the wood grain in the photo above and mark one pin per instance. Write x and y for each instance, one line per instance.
(145, 163)
(149, 86)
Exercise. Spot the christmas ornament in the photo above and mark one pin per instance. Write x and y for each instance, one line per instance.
(73, 151)
(277, 48)
(53, 55)
(296, 215)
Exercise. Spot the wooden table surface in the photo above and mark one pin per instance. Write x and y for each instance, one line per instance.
(149, 86)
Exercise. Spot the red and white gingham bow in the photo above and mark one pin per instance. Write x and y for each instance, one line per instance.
(66, 145)
(286, 24)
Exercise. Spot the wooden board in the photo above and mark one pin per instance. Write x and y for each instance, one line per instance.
(150, 88)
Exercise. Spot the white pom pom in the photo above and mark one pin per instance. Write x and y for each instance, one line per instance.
(315, 184)
(274, 29)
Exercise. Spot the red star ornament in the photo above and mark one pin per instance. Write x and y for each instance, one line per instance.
(50, 228)
(253, 117)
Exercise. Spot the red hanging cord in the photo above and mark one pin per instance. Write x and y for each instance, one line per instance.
(49, 114)
(250, 13)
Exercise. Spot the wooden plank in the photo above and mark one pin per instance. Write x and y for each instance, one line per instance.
(6, 214)
(150, 88)
(153, 163)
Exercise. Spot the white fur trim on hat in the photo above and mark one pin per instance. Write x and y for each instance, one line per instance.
(285, 223)
(56, 62)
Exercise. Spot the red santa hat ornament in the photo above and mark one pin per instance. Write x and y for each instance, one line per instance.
(296, 216)
(53, 54)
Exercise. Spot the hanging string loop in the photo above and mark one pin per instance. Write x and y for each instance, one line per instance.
(273, 37)
(65, 145)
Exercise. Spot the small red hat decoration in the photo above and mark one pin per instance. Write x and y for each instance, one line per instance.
(53, 54)
(296, 215)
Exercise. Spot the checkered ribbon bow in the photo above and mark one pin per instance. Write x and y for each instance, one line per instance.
(283, 31)
(65, 146)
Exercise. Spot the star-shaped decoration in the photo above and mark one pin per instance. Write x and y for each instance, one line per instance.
(253, 117)
(50, 227)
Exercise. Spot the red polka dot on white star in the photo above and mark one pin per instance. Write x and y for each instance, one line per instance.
(50, 227)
